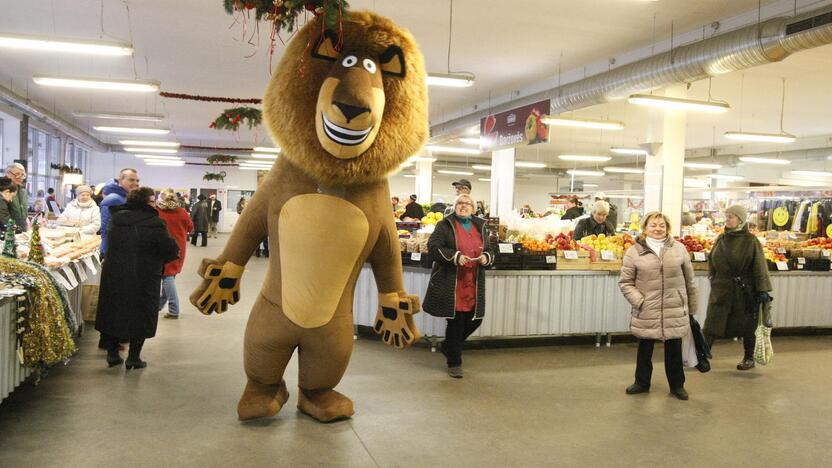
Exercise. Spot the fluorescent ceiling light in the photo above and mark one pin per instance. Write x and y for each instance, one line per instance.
(813, 173)
(695, 183)
(693, 165)
(452, 149)
(165, 163)
(484, 179)
(73, 46)
(151, 150)
(132, 130)
(405, 165)
(532, 165)
(254, 168)
(256, 163)
(630, 151)
(154, 156)
(756, 160)
(165, 160)
(171, 144)
(561, 121)
(624, 170)
(413, 159)
(481, 167)
(665, 102)
(470, 141)
(409, 176)
(726, 177)
(578, 172)
(452, 80)
(761, 137)
(120, 116)
(591, 185)
(264, 156)
(581, 157)
(139, 86)
(446, 171)
(266, 149)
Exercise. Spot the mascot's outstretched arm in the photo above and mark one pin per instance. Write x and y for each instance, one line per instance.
(221, 277)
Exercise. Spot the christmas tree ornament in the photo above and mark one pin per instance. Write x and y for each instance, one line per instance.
(35, 245)
(9, 244)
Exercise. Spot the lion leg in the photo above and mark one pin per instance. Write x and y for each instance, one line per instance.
(270, 340)
(323, 356)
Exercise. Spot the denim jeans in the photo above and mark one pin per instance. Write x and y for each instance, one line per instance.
(169, 295)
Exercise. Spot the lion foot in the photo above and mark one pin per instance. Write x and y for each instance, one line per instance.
(261, 401)
(324, 405)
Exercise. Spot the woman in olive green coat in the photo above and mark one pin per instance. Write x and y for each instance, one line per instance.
(739, 283)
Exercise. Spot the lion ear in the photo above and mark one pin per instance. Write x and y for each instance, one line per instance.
(392, 61)
(325, 47)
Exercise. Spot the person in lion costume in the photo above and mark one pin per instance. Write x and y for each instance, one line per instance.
(346, 109)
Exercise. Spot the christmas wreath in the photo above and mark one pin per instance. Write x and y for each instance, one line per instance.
(283, 13)
(220, 176)
(230, 118)
(216, 159)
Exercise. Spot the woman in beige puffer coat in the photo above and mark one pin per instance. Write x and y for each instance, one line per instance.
(657, 279)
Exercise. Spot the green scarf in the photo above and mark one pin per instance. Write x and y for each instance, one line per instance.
(465, 222)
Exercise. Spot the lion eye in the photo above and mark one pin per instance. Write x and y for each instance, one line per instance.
(349, 61)
(370, 66)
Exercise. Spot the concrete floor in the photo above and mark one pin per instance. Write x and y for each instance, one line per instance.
(543, 406)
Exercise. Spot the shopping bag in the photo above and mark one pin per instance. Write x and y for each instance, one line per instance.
(89, 302)
(689, 358)
(763, 352)
(703, 351)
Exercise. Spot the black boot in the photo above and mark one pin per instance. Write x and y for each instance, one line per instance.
(133, 357)
(113, 359)
(747, 362)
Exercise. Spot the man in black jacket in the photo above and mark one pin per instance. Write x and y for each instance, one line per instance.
(413, 211)
(596, 223)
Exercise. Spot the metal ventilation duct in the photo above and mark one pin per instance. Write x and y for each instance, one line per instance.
(770, 41)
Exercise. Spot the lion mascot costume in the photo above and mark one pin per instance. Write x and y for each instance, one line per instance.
(347, 108)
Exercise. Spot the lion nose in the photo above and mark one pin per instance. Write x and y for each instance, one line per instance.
(350, 111)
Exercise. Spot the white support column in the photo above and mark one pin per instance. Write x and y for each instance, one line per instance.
(664, 170)
(502, 182)
(424, 180)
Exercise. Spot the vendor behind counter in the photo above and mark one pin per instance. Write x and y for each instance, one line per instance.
(596, 223)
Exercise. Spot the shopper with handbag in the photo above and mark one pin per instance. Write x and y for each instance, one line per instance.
(657, 279)
(739, 284)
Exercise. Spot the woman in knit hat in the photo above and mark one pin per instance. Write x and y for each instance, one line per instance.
(739, 284)
(179, 224)
(82, 212)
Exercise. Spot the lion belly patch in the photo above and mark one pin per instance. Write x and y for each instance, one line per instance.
(315, 263)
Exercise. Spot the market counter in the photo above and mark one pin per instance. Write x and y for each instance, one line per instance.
(552, 302)
(11, 372)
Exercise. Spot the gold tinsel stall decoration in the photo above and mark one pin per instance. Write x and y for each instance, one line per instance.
(47, 339)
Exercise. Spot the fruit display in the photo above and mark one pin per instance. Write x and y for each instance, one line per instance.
(823, 243)
(773, 256)
(432, 218)
(535, 246)
(563, 242)
(617, 244)
(696, 243)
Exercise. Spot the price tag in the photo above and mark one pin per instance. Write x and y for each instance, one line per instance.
(61, 279)
(699, 257)
(570, 254)
(506, 248)
(415, 256)
(799, 267)
(550, 259)
(607, 255)
(782, 266)
(80, 271)
(70, 276)
(90, 264)
(827, 253)
(801, 260)
(792, 236)
(781, 251)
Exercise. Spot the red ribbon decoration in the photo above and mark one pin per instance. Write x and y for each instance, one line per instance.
(196, 97)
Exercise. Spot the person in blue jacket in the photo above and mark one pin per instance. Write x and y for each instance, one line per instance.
(115, 194)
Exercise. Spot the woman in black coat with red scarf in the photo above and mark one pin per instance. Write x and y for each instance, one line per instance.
(131, 276)
(456, 292)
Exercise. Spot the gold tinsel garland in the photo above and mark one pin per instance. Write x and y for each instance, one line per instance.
(47, 339)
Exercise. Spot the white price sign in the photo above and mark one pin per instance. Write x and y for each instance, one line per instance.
(827, 253)
(782, 266)
(781, 251)
(570, 254)
(416, 256)
(607, 255)
(506, 248)
(550, 259)
(801, 260)
(699, 257)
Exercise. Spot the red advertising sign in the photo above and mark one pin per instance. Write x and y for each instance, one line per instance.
(515, 127)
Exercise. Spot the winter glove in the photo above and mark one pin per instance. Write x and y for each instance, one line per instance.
(764, 297)
(220, 287)
(394, 320)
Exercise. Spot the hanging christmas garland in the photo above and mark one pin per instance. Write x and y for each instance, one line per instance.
(66, 169)
(220, 176)
(197, 97)
(283, 13)
(230, 118)
(219, 159)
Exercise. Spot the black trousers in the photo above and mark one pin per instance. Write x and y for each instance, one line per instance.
(749, 340)
(457, 331)
(204, 238)
(672, 363)
(111, 343)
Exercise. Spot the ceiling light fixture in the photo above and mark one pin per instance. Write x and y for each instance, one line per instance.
(73, 46)
(409, 176)
(251, 162)
(451, 80)
(578, 172)
(139, 86)
(156, 156)
(581, 157)
(481, 167)
(420, 159)
(151, 150)
(484, 179)
(271, 156)
(715, 107)
(165, 163)
(266, 149)
(171, 144)
(591, 185)
(761, 137)
(529, 164)
(131, 130)
(450, 172)
(726, 177)
(695, 183)
(693, 165)
(813, 173)
(120, 116)
(470, 141)
(561, 121)
(624, 170)
(452, 149)
(630, 151)
(756, 160)
(254, 168)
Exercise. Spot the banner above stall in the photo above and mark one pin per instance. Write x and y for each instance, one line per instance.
(521, 126)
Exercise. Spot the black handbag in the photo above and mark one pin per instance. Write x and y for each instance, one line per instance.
(703, 351)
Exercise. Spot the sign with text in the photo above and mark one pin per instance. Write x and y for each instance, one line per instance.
(516, 127)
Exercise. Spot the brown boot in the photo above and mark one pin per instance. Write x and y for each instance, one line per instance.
(325, 405)
(261, 400)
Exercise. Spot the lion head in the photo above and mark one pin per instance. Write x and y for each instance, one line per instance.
(356, 108)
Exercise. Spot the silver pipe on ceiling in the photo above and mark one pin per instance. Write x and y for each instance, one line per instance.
(767, 42)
